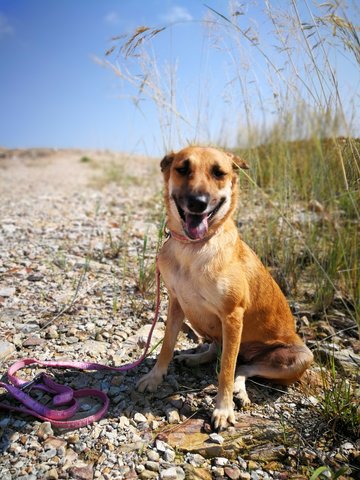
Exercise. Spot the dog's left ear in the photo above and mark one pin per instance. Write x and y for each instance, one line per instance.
(237, 161)
(166, 161)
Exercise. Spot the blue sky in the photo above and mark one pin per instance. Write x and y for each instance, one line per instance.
(53, 92)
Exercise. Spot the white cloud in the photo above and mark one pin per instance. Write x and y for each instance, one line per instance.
(177, 14)
(5, 27)
(112, 18)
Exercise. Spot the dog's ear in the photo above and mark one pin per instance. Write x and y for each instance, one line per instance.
(237, 161)
(166, 162)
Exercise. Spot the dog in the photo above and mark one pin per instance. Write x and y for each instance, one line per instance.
(219, 284)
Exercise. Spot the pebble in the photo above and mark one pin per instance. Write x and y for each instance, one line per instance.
(153, 456)
(221, 461)
(139, 418)
(52, 474)
(216, 438)
(44, 431)
(6, 348)
(152, 466)
(169, 455)
(232, 472)
(172, 416)
(172, 473)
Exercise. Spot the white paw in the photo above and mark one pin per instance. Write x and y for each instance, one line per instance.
(189, 359)
(221, 417)
(149, 382)
(241, 395)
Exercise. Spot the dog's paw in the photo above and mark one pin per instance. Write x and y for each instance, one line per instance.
(241, 399)
(188, 359)
(149, 382)
(222, 417)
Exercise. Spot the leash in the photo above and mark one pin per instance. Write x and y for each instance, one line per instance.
(63, 395)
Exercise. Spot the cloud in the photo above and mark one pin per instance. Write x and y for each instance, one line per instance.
(177, 14)
(112, 18)
(5, 27)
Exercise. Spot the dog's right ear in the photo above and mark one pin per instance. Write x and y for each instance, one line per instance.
(166, 162)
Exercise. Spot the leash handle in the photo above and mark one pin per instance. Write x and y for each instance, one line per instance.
(63, 395)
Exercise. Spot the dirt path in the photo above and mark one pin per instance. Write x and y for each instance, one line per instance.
(79, 232)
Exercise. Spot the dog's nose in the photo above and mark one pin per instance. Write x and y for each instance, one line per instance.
(197, 203)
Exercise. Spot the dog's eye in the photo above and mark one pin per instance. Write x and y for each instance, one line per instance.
(217, 172)
(184, 169)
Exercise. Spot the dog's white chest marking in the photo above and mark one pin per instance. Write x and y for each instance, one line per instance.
(189, 279)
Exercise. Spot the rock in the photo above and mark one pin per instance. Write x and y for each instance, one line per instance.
(153, 456)
(173, 473)
(33, 341)
(139, 418)
(6, 349)
(52, 474)
(161, 446)
(244, 476)
(82, 473)
(54, 442)
(147, 474)
(221, 461)
(7, 291)
(52, 332)
(194, 473)
(195, 459)
(169, 455)
(172, 416)
(232, 472)
(44, 431)
(124, 422)
(152, 466)
(216, 438)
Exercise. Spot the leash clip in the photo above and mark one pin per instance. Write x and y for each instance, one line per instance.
(35, 380)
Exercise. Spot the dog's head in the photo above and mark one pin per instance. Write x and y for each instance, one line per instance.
(201, 189)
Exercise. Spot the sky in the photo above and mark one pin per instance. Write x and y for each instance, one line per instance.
(56, 91)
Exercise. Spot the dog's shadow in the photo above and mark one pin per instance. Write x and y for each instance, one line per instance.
(191, 391)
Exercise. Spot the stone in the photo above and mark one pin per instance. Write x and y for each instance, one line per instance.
(172, 416)
(44, 431)
(7, 291)
(33, 341)
(147, 474)
(153, 456)
(82, 473)
(161, 446)
(139, 418)
(216, 438)
(172, 473)
(52, 474)
(152, 466)
(221, 461)
(232, 472)
(6, 348)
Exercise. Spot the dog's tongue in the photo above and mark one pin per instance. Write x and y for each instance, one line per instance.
(196, 226)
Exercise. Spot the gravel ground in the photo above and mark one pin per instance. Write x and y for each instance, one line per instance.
(78, 238)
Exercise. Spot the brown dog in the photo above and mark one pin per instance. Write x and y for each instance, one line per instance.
(218, 283)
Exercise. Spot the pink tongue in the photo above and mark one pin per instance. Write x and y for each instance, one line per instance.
(196, 226)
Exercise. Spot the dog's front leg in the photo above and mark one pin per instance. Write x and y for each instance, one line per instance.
(231, 337)
(175, 318)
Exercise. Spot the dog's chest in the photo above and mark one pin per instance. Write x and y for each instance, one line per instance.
(192, 282)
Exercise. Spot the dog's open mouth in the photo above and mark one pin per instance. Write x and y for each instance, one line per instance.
(196, 225)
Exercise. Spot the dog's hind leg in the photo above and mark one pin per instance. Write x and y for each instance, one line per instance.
(283, 364)
(198, 358)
